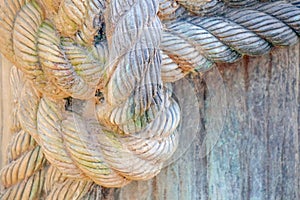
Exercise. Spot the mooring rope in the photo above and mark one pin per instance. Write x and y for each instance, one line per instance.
(116, 56)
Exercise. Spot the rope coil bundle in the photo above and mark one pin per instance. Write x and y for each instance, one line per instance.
(58, 46)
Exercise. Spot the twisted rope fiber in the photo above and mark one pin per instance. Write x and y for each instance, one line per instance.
(196, 43)
(137, 93)
(75, 55)
(23, 176)
(137, 117)
(106, 176)
(28, 110)
(35, 47)
(203, 8)
(54, 132)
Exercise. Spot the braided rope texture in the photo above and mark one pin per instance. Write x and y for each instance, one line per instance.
(115, 58)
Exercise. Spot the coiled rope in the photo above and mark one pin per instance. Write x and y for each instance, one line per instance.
(59, 46)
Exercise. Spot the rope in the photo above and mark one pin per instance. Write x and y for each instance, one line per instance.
(265, 26)
(93, 21)
(24, 189)
(169, 10)
(53, 177)
(36, 47)
(240, 3)
(70, 189)
(26, 162)
(42, 53)
(239, 30)
(95, 192)
(201, 8)
(116, 57)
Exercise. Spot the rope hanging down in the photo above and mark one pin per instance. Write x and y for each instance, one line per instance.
(116, 56)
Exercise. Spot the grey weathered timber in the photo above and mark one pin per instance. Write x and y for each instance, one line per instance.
(257, 154)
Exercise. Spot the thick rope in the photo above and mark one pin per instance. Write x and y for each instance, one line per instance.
(96, 165)
(36, 47)
(169, 10)
(134, 132)
(60, 65)
(53, 178)
(26, 162)
(93, 22)
(201, 8)
(238, 31)
(70, 189)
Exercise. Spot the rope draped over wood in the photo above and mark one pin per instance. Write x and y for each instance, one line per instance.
(122, 74)
(193, 43)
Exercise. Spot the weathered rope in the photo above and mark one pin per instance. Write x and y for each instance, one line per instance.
(53, 177)
(70, 189)
(63, 53)
(38, 50)
(93, 22)
(251, 30)
(234, 35)
(265, 26)
(241, 3)
(201, 8)
(57, 186)
(26, 162)
(31, 161)
(169, 10)
(92, 162)
(24, 189)
(60, 59)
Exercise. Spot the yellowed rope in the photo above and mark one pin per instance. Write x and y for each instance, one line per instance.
(35, 46)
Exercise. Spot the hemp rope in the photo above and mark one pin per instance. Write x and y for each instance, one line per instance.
(26, 168)
(53, 43)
